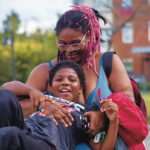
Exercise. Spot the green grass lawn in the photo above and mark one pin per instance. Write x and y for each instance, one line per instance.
(146, 97)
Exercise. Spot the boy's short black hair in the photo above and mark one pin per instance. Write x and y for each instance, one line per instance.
(68, 64)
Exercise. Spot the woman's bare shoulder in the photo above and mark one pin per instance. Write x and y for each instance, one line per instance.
(44, 66)
(41, 67)
(39, 75)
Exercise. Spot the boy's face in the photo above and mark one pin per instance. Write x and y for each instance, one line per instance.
(66, 84)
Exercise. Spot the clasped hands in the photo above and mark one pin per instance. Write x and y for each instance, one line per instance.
(55, 110)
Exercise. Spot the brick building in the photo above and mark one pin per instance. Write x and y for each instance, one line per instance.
(132, 42)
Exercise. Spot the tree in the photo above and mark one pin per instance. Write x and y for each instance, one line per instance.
(11, 25)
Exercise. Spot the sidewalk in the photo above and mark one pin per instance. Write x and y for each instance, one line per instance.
(147, 140)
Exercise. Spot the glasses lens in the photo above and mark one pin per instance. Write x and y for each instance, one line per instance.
(75, 46)
(61, 46)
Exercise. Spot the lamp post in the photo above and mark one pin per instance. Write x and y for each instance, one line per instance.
(10, 42)
(13, 57)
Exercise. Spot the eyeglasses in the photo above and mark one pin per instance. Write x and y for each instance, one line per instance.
(74, 46)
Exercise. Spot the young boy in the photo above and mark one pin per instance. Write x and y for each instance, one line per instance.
(67, 80)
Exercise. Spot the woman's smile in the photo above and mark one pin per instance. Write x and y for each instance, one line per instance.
(73, 55)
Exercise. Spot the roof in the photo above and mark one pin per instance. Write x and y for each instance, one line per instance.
(141, 50)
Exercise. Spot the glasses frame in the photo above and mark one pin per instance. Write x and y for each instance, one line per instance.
(66, 46)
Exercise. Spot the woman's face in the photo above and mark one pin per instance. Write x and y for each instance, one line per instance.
(73, 45)
(66, 84)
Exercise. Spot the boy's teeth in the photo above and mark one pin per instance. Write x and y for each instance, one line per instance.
(64, 90)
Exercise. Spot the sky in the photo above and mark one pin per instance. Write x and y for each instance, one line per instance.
(34, 13)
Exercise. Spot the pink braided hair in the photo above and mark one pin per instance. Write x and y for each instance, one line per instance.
(94, 44)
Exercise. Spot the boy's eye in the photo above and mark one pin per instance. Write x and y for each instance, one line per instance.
(59, 79)
(72, 80)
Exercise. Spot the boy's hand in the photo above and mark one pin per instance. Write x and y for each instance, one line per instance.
(110, 108)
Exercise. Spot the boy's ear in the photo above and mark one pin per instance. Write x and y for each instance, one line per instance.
(81, 98)
(80, 90)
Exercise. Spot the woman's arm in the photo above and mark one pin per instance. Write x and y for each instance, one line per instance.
(21, 90)
(17, 87)
(119, 80)
(36, 83)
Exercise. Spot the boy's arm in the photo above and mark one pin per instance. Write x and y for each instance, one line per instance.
(110, 139)
(111, 110)
(111, 136)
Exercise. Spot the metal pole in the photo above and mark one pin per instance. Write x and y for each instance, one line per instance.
(13, 57)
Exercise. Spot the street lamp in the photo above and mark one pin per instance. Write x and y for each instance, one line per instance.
(10, 42)
(13, 57)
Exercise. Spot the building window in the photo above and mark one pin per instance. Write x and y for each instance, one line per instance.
(78, 1)
(149, 31)
(126, 7)
(126, 4)
(104, 6)
(148, 2)
(127, 34)
(106, 35)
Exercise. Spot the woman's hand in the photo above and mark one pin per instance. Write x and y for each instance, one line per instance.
(96, 121)
(55, 110)
(35, 96)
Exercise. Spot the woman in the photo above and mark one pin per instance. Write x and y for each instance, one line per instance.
(78, 32)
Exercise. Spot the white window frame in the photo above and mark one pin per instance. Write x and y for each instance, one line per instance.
(127, 34)
(128, 63)
(127, 3)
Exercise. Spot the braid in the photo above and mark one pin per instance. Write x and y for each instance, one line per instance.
(84, 19)
(94, 44)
